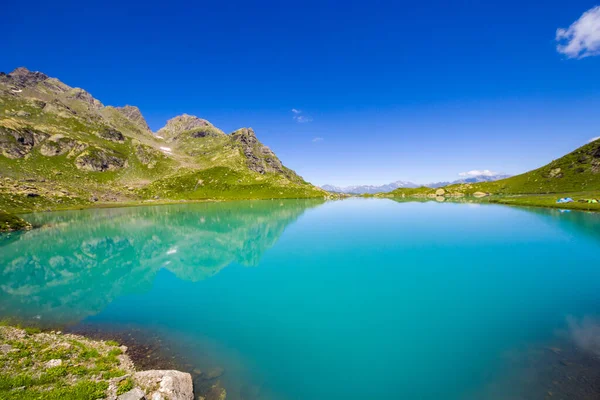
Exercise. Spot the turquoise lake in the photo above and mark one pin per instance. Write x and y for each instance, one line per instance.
(302, 299)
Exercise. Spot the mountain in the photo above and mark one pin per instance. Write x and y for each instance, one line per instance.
(61, 147)
(473, 179)
(578, 171)
(369, 189)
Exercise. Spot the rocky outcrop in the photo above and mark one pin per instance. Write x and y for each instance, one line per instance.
(111, 134)
(83, 96)
(99, 160)
(146, 154)
(182, 123)
(22, 77)
(165, 384)
(259, 157)
(18, 142)
(440, 192)
(133, 114)
(57, 145)
(59, 108)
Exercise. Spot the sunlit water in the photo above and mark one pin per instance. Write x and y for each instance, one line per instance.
(354, 299)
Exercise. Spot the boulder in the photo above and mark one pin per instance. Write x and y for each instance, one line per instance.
(133, 394)
(480, 194)
(440, 192)
(170, 384)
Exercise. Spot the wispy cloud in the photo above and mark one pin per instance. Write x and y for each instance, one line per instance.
(299, 117)
(475, 172)
(594, 139)
(582, 38)
(317, 139)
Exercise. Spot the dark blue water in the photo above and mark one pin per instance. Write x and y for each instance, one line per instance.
(355, 299)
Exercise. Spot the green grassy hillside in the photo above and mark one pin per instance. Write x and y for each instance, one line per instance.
(60, 147)
(578, 171)
(575, 175)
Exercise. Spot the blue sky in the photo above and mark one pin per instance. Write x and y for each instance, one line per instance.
(417, 91)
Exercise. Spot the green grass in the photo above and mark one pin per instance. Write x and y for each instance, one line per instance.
(221, 183)
(86, 366)
(125, 386)
(548, 200)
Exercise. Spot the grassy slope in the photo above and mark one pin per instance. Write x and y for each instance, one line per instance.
(575, 175)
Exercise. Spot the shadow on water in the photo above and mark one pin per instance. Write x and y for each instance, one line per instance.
(80, 261)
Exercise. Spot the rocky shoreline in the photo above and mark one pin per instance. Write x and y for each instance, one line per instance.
(56, 365)
(149, 351)
(10, 222)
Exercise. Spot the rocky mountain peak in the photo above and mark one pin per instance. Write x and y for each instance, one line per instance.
(182, 123)
(82, 95)
(245, 135)
(23, 77)
(134, 114)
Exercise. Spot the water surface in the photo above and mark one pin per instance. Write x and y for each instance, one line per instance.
(355, 299)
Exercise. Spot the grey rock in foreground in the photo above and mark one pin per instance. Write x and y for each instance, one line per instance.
(133, 394)
(165, 384)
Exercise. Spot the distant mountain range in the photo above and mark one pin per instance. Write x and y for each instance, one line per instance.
(372, 189)
(472, 179)
(369, 189)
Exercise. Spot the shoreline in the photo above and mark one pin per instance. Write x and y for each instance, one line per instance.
(53, 364)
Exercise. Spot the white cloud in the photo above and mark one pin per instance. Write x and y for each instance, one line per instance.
(317, 139)
(301, 119)
(475, 172)
(582, 38)
(594, 139)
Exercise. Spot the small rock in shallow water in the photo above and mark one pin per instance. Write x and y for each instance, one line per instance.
(214, 373)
